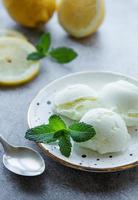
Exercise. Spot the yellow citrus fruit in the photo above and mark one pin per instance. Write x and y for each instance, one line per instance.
(15, 69)
(81, 18)
(30, 13)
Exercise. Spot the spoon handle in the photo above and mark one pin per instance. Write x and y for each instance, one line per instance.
(6, 146)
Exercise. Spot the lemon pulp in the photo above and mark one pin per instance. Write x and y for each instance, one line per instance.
(14, 67)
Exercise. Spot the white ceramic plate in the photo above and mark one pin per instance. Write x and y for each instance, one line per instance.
(41, 108)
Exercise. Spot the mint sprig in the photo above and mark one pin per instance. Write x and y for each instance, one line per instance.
(44, 43)
(61, 55)
(56, 123)
(57, 130)
(81, 132)
(41, 134)
(35, 56)
(65, 145)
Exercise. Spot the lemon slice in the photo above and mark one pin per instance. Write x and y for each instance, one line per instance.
(15, 69)
(81, 18)
(11, 33)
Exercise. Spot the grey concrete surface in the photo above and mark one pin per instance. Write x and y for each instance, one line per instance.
(113, 48)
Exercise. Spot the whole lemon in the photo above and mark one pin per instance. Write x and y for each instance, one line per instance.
(30, 13)
(81, 18)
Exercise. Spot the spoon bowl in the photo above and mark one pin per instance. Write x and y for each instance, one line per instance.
(22, 160)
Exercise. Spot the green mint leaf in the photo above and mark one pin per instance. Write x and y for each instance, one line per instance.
(47, 133)
(81, 132)
(44, 43)
(56, 123)
(65, 145)
(63, 54)
(41, 134)
(61, 133)
(35, 56)
(57, 130)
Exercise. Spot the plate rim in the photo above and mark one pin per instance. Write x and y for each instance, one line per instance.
(61, 160)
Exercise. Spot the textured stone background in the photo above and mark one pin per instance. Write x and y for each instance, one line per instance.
(113, 48)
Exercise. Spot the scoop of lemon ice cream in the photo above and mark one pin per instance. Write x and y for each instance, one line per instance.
(111, 131)
(122, 97)
(75, 100)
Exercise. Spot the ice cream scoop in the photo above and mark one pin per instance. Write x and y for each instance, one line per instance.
(75, 100)
(111, 131)
(122, 97)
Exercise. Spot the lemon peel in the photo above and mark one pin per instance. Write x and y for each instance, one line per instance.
(32, 13)
(81, 19)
